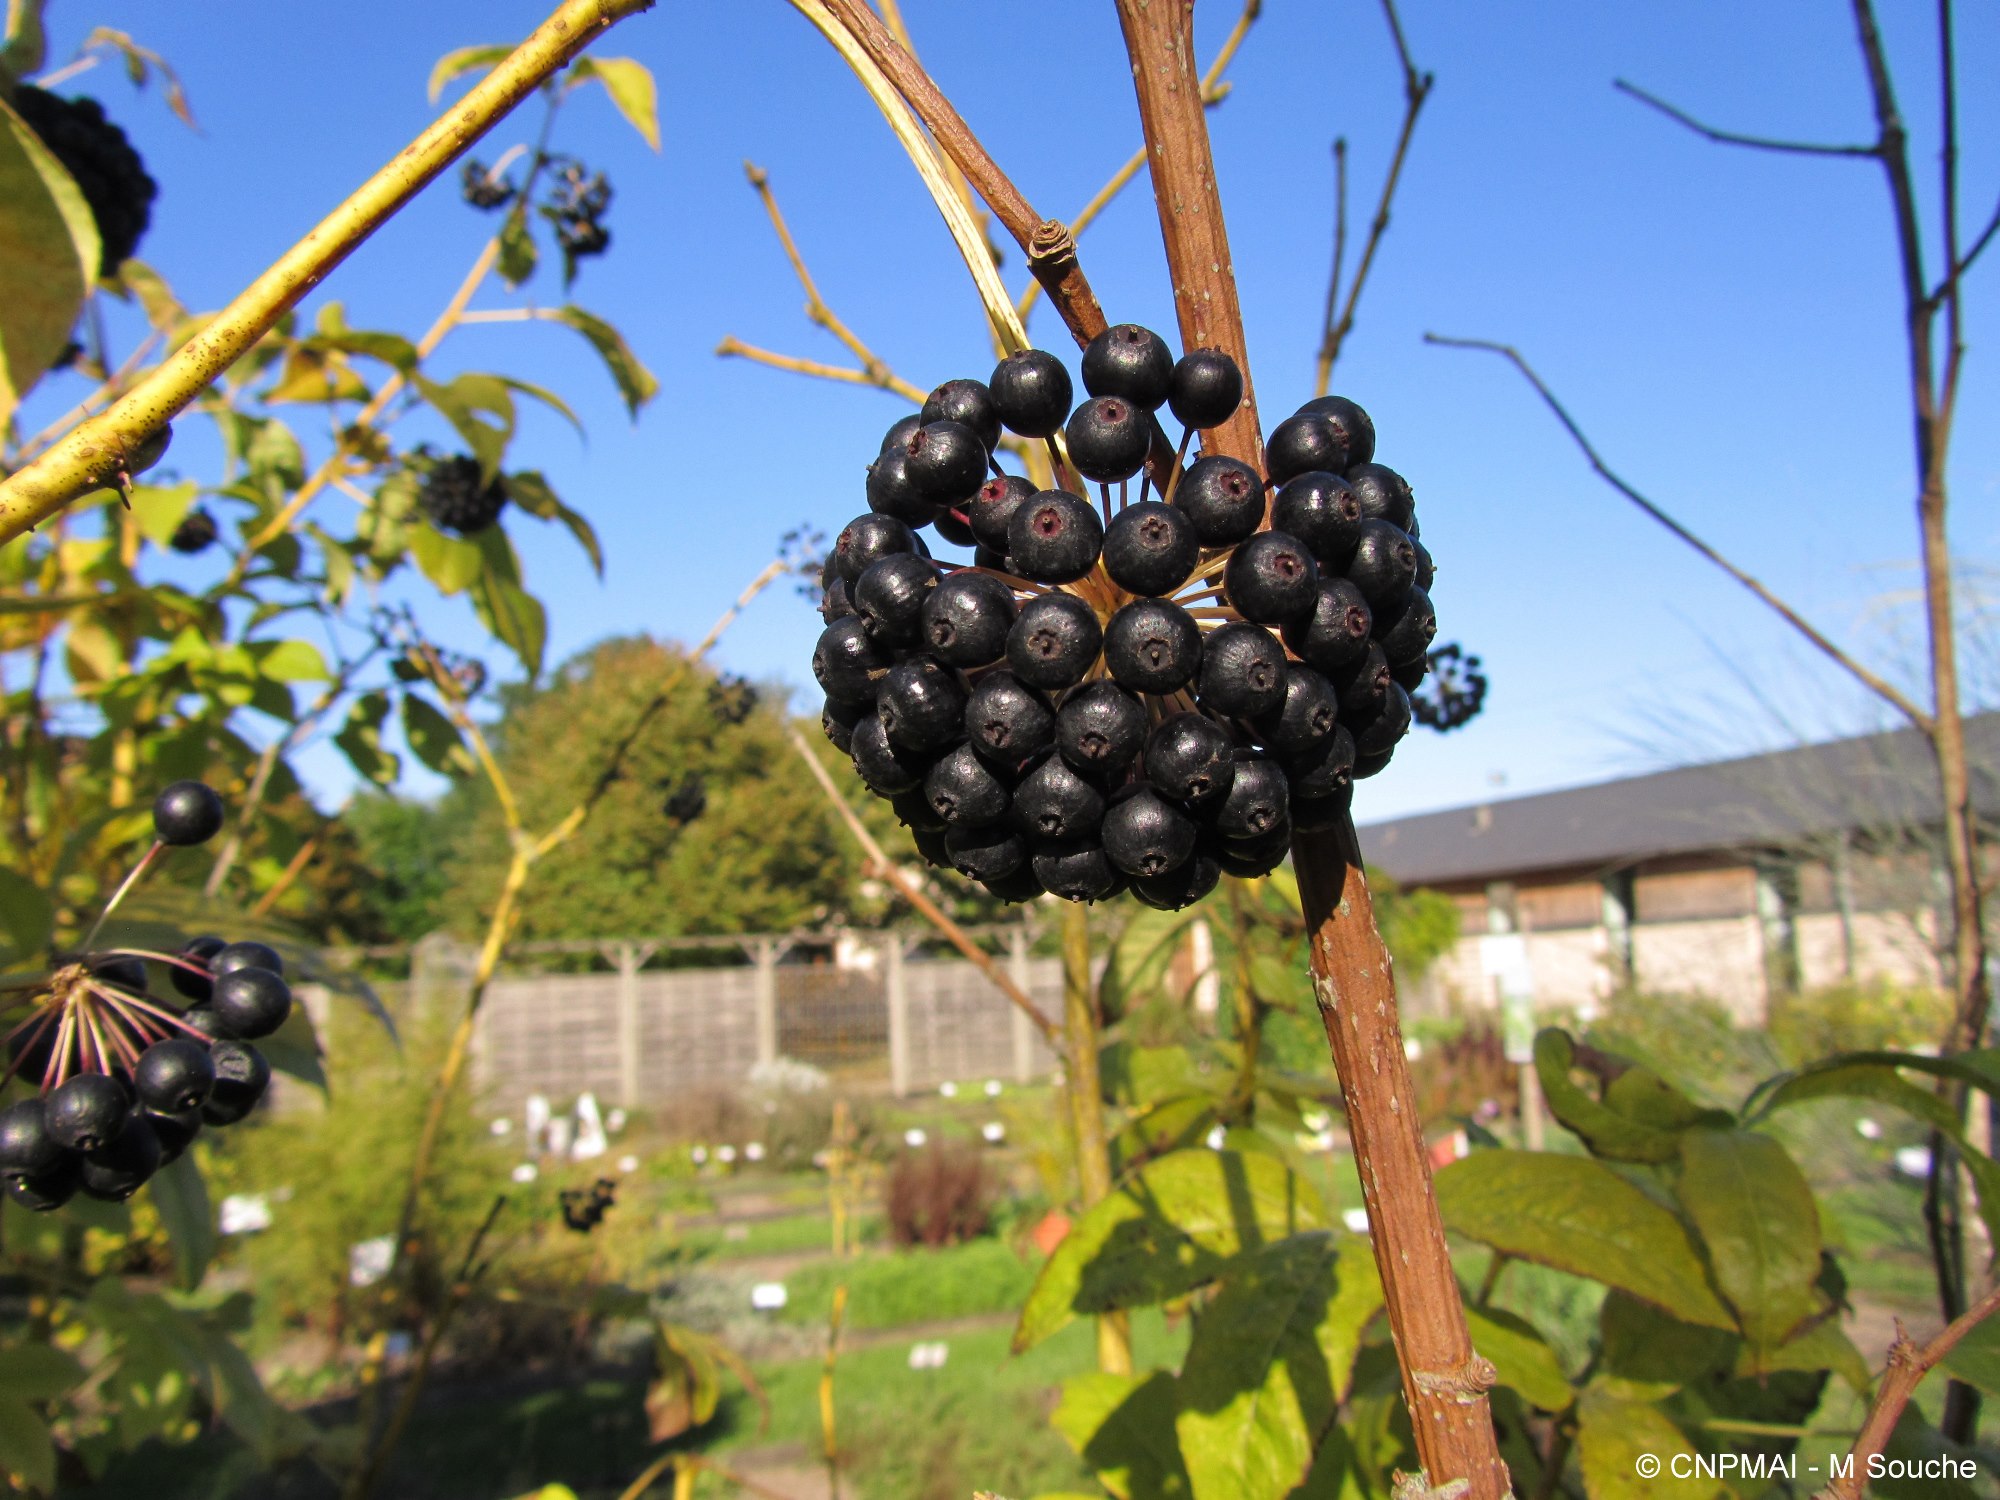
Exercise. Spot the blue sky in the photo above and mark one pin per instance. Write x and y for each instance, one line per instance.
(1725, 323)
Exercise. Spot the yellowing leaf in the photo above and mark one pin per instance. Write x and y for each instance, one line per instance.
(630, 85)
(464, 60)
(49, 251)
(1757, 1219)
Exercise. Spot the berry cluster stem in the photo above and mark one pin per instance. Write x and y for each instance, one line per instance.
(1444, 1382)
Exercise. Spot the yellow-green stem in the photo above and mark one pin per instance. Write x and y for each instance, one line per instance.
(1086, 1104)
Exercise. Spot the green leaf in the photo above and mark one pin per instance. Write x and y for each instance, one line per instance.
(1975, 1360)
(433, 737)
(1651, 1353)
(26, 1449)
(1169, 1227)
(480, 409)
(630, 85)
(1526, 1363)
(635, 382)
(27, 915)
(514, 615)
(518, 255)
(159, 511)
(181, 1198)
(1640, 1116)
(1757, 1219)
(1270, 1363)
(547, 397)
(1821, 1347)
(360, 739)
(464, 60)
(532, 493)
(451, 563)
(1134, 1075)
(1613, 1435)
(37, 1372)
(289, 661)
(49, 252)
(1123, 1427)
(1578, 1215)
(1171, 1125)
(294, 1050)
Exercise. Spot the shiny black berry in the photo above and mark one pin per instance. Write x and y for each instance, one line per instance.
(993, 506)
(1363, 687)
(914, 812)
(195, 534)
(1206, 389)
(988, 853)
(1335, 635)
(1054, 641)
(176, 1132)
(1108, 438)
(885, 766)
(848, 662)
(1407, 630)
(123, 1165)
(1021, 885)
(835, 602)
(1323, 771)
(1272, 579)
(86, 1111)
(1008, 721)
(1130, 362)
(1257, 801)
(1054, 802)
(1152, 646)
(1384, 495)
(252, 1003)
(1055, 537)
(1308, 716)
(1076, 872)
(1146, 835)
(968, 403)
(893, 492)
(964, 790)
(890, 598)
(837, 721)
(1384, 564)
(1321, 510)
(241, 1076)
(921, 705)
(1179, 887)
(1188, 758)
(48, 1190)
(946, 461)
(1248, 859)
(187, 813)
(1301, 444)
(966, 619)
(245, 955)
(1150, 548)
(1224, 497)
(1100, 729)
(899, 431)
(1242, 671)
(952, 526)
(99, 156)
(27, 1149)
(175, 1075)
(1379, 735)
(1357, 428)
(1031, 391)
(868, 539)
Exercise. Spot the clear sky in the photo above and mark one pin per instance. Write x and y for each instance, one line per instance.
(1725, 323)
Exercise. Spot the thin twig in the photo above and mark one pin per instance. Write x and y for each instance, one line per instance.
(882, 377)
(1869, 679)
(1734, 138)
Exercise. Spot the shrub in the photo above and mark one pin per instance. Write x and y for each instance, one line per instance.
(940, 1195)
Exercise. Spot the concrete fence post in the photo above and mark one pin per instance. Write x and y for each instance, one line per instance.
(896, 992)
(1024, 1032)
(625, 958)
(765, 954)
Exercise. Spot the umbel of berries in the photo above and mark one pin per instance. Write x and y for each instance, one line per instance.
(125, 1075)
(1146, 677)
(458, 497)
(108, 171)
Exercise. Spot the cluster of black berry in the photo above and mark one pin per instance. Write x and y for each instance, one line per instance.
(483, 188)
(196, 532)
(577, 208)
(96, 153)
(583, 1208)
(688, 800)
(457, 497)
(128, 1078)
(1115, 696)
(1455, 693)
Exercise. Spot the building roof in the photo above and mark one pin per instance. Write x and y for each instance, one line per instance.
(1781, 799)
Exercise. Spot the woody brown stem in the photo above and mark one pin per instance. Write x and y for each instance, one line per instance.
(1444, 1382)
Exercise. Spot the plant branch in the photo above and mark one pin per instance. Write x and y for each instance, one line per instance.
(882, 378)
(1084, 1085)
(93, 454)
(1733, 138)
(1416, 89)
(1873, 681)
(880, 863)
(1908, 1365)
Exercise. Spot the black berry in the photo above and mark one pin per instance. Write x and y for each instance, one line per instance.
(1309, 714)
(98, 154)
(1301, 444)
(187, 813)
(1257, 802)
(1321, 510)
(868, 539)
(890, 598)
(1007, 720)
(175, 1075)
(837, 721)
(1144, 834)
(1272, 579)
(1129, 362)
(87, 1111)
(1054, 802)
(1021, 885)
(1206, 389)
(1054, 641)
(914, 812)
(969, 404)
(48, 1190)
(27, 1149)
(1224, 497)
(894, 492)
(1380, 734)
(1384, 562)
(1055, 537)
(241, 1076)
(1100, 729)
(1188, 758)
(1335, 635)
(195, 534)
(921, 705)
(993, 506)
(1031, 391)
(458, 497)
(964, 790)
(1150, 548)
(119, 1168)
(848, 662)
(887, 768)
(1407, 631)
(1108, 438)
(176, 1132)
(1384, 495)
(1179, 887)
(252, 1003)
(1152, 646)
(966, 619)
(1323, 771)
(1357, 429)
(1075, 872)
(986, 853)
(245, 955)
(1242, 671)
(946, 461)
(900, 430)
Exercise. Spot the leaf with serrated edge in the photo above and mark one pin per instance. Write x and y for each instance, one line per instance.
(1270, 1362)
(1757, 1219)
(1169, 1227)
(1578, 1215)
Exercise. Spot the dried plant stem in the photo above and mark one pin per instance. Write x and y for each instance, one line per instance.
(1086, 1110)
(888, 380)
(92, 454)
(913, 893)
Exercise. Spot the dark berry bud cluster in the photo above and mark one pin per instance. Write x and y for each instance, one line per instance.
(577, 209)
(1115, 695)
(457, 496)
(107, 170)
(196, 532)
(484, 189)
(128, 1077)
(583, 1208)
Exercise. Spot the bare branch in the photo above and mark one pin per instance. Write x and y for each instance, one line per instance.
(1416, 89)
(1949, 285)
(885, 380)
(1908, 1365)
(1875, 683)
(1331, 319)
(1734, 138)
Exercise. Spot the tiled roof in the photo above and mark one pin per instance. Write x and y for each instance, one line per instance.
(1876, 781)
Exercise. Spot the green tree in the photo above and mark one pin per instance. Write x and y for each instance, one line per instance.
(760, 852)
